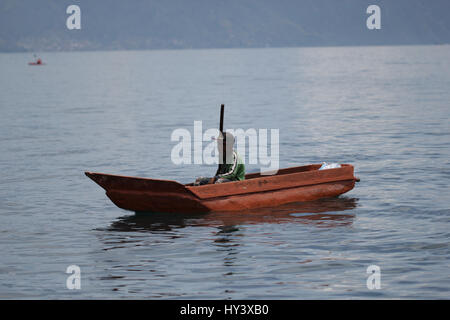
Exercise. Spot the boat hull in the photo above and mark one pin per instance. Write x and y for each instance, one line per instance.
(290, 185)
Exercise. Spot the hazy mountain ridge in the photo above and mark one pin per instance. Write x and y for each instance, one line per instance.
(36, 25)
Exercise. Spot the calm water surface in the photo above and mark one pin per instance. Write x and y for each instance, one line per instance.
(383, 109)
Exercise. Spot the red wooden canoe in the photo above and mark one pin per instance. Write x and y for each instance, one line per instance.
(289, 185)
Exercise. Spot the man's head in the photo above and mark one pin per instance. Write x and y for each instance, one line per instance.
(228, 141)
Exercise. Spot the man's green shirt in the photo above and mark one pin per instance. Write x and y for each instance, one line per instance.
(233, 171)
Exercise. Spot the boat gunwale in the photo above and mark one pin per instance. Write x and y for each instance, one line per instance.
(91, 173)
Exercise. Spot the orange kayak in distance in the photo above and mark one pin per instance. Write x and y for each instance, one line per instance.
(289, 185)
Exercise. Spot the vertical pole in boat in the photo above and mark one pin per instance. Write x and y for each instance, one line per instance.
(222, 109)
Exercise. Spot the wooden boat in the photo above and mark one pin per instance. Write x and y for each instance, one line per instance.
(289, 185)
(38, 62)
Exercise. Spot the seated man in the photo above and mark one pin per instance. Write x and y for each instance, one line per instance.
(232, 170)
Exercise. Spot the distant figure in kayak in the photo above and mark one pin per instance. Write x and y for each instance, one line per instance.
(39, 61)
(232, 170)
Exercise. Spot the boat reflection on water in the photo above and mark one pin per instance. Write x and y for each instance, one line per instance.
(321, 213)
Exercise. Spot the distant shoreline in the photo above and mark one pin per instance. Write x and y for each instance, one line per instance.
(229, 48)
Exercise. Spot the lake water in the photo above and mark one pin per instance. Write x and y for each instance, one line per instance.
(383, 109)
